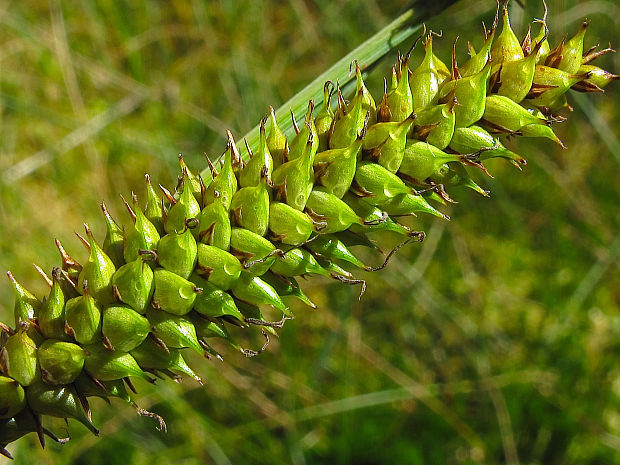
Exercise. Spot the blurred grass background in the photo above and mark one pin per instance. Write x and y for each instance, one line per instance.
(495, 341)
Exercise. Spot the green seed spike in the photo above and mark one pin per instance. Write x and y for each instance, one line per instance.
(474, 138)
(276, 141)
(224, 184)
(572, 51)
(194, 181)
(506, 46)
(106, 365)
(516, 76)
(550, 84)
(325, 118)
(177, 252)
(255, 252)
(287, 287)
(123, 328)
(213, 302)
(173, 293)
(334, 169)
(422, 160)
(250, 206)
(427, 77)
(455, 174)
(97, 272)
(254, 290)
(400, 100)
(332, 248)
(133, 284)
(408, 204)
(388, 140)
(151, 356)
(114, 240)
(26, 304)
(307, 132)
(377, 184)
(288, 225)
(154, 210)
(61, 362)
(260, 162)
(214, 224)
(58, 401)
(185, 208)
(18, 358)
(83, 319)
(435, 125)
(217, 266)
(505, 115)
(597, 79)
(298, 262)
(478, 60)
(12, 397)
(174, 331)
(142, 236)
(540, 130)
(348, 126)
(470, 93)
(294, 179)
(326, 208)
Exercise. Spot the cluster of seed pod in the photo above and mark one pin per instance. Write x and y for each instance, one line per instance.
(207, 257)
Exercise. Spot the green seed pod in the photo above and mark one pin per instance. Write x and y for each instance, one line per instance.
(571, 52)
(516, 77)
(332, 248)
(174, 331)
(596, 76)
(276, 141)
(470, 92)
(478, 60)
(294, 179)
(324, 120)
(348, 127)
(133, 284)
(194, 181)
(289, 225)
(553, 84)
(51, 315)
(474, 138)
(142, 236)
(214, 225)
(261, 161)
(506, 46)
(422, 160)
(173, 293)
(388, 140)
(435, 125)
(97, 272)
(377, 184)
(334, 169)
(123, 328)
(61, 362)
(329, 210)
(407, 204)
(206, 329)
(368, 102)
(108, 365)
(18, 358)
(540, 130)
(83, 319)
(58, 401)
(250, 207)
(308, 132)
(151, 356)
(506, 115)
(213, 302)
(85, 385)
(224, 184)
(113, 243)
(154, 210)
(254, 290)
(455, 174)
(177, 252)
(427, 77)
(400, 100)
(297, 262)
(375, 218)
(217, 266)
(185, 208)
(26, 304)
(249, 247)
(287, 286)
(12, 397)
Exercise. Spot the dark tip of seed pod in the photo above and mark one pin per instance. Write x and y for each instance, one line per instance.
(83, 240)
(247, 147)
(295, 127)
(168, 195)
(131, 212)
(43, 274)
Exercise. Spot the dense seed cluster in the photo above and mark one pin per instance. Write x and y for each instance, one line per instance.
(213, 253)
